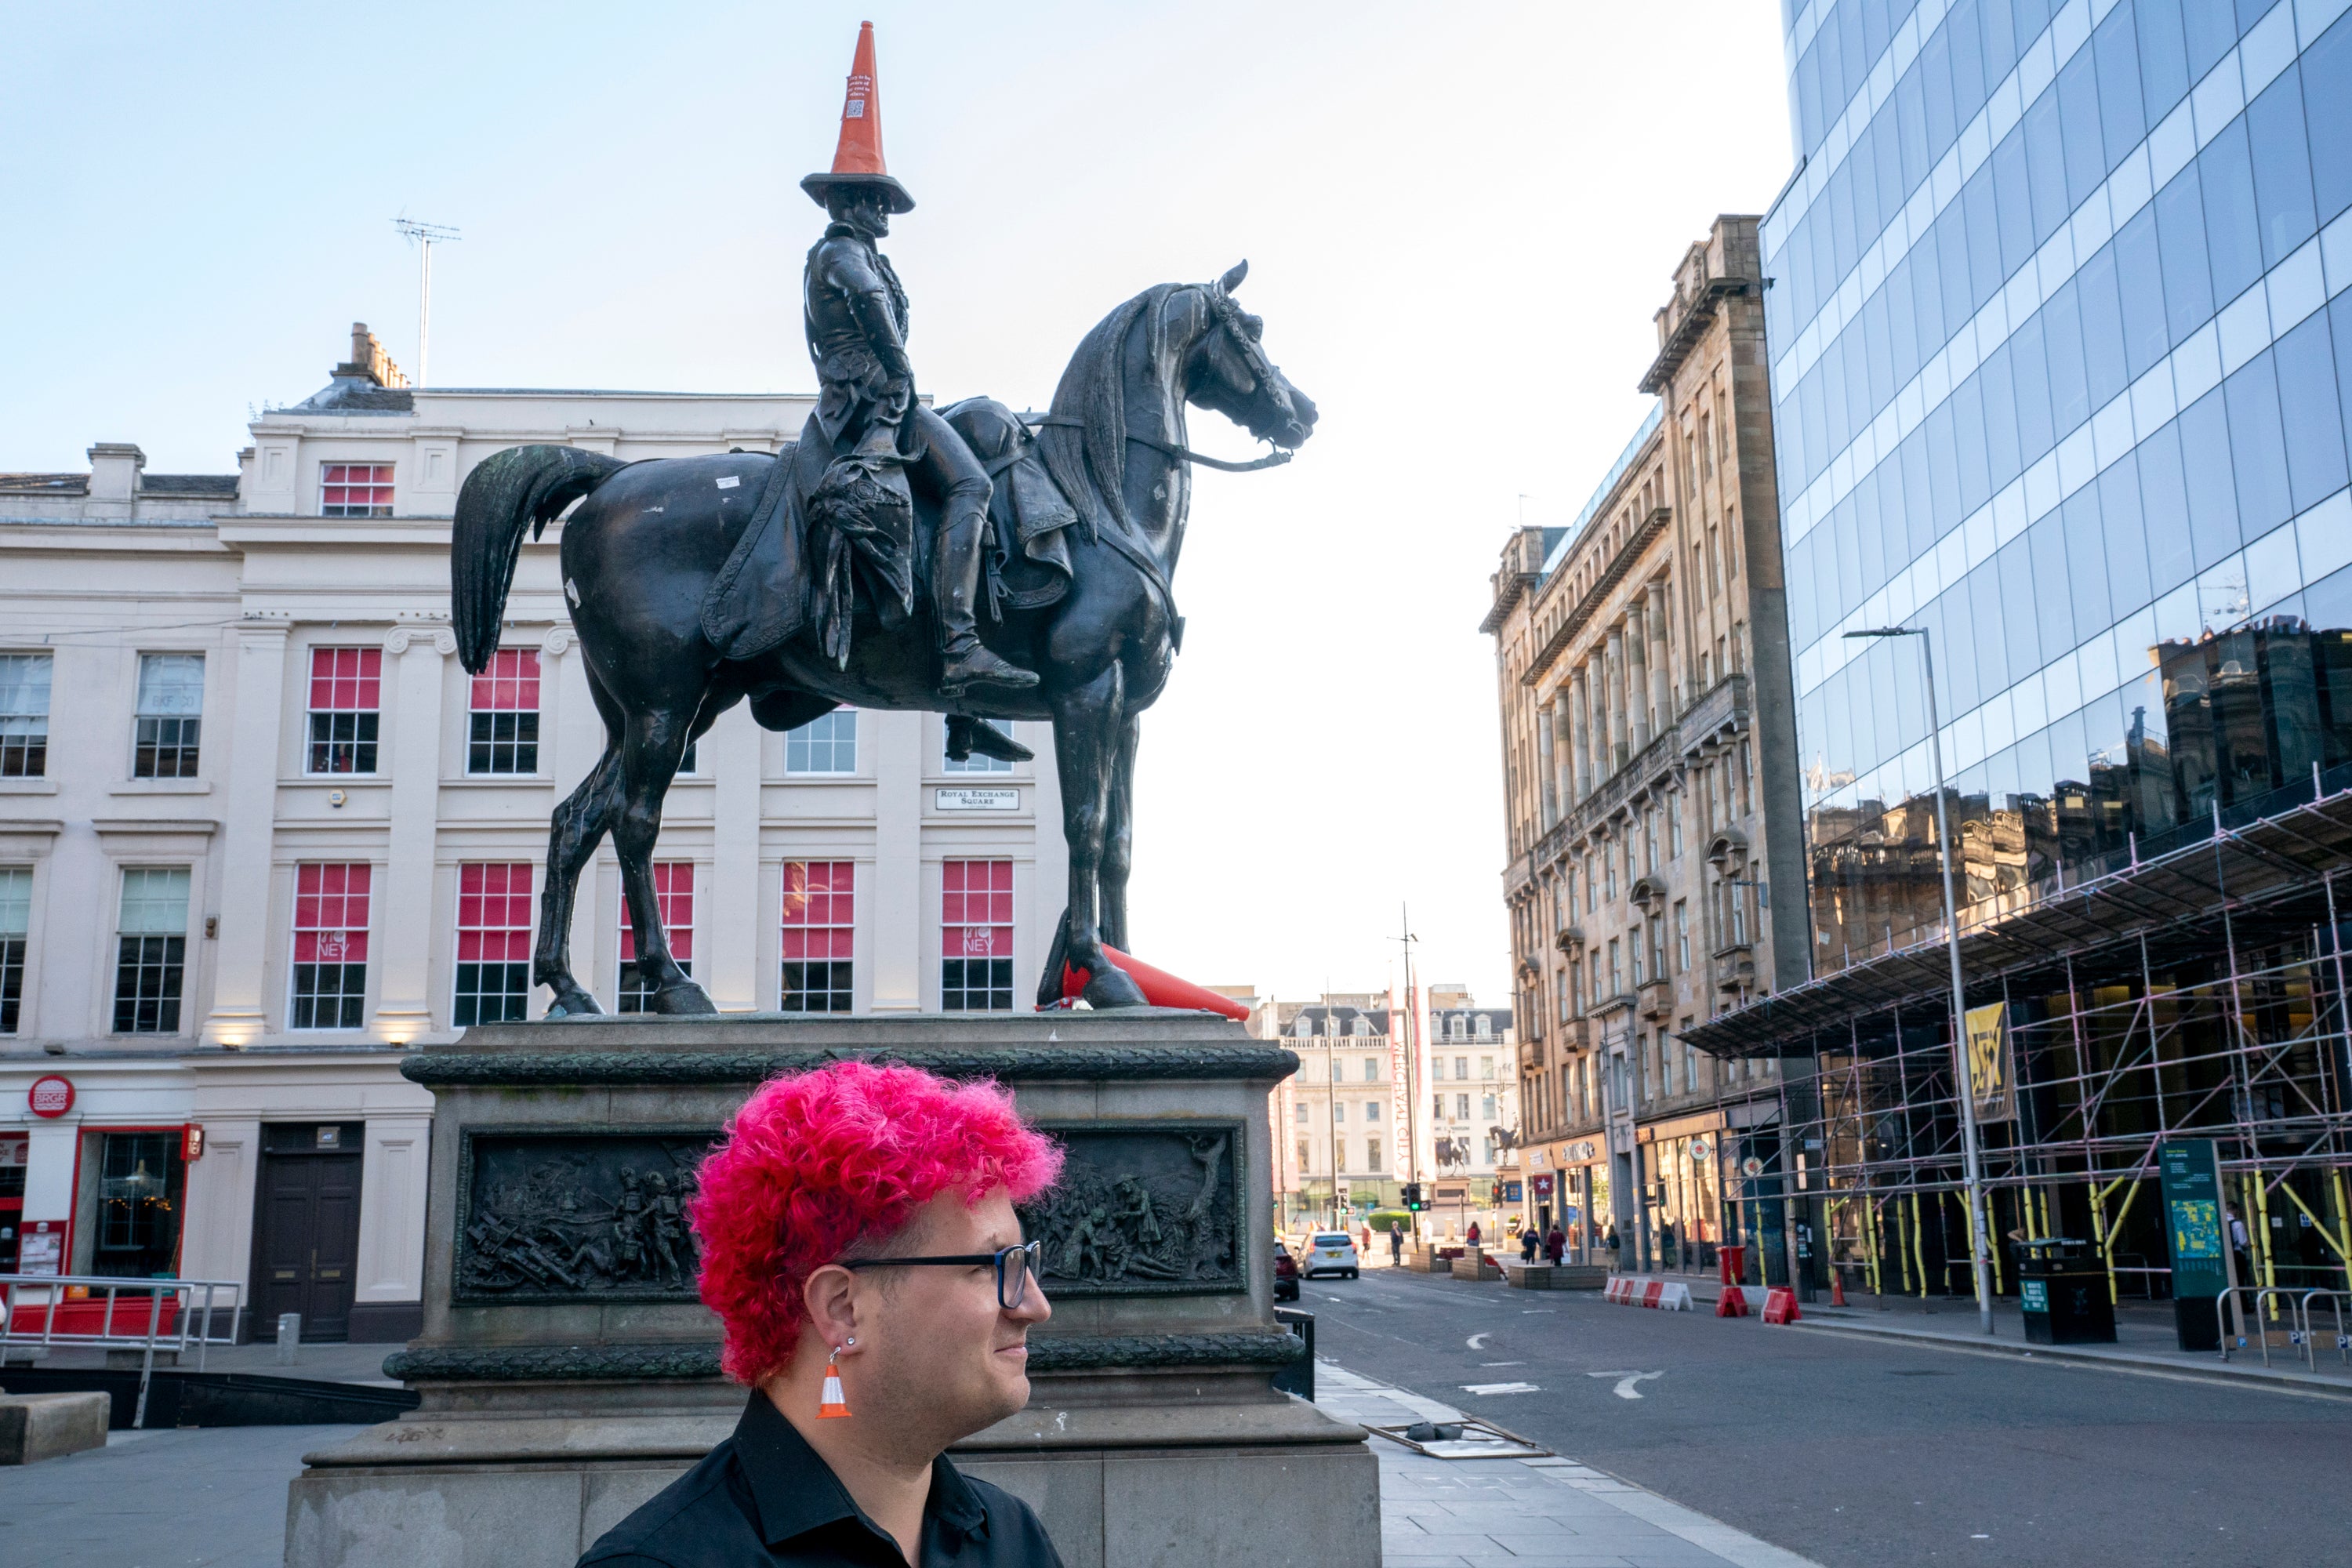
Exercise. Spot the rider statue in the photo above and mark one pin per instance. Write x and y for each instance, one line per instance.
(856, 313)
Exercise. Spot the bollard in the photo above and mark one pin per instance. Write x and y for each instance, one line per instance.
(289, 1336)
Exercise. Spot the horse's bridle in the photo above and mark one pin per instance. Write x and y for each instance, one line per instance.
(1229, 315)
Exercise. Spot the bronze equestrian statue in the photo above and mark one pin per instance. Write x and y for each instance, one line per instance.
(790, 582)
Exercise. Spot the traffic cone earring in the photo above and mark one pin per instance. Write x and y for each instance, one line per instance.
(831, 1402)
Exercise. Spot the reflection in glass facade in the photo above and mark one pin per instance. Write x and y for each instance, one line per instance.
(2062, 365)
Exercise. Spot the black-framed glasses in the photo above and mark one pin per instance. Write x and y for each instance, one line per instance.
(1014, 1267)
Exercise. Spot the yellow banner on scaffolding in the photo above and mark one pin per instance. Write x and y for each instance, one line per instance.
(1991, 1082)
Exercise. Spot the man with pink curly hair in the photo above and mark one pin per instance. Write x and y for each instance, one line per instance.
(860, 1246)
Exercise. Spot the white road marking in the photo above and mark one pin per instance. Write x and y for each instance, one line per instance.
(1625, 1382)
(1502, 1363)
(1478, 1342)
(1538, 1311)
(1488, 1388)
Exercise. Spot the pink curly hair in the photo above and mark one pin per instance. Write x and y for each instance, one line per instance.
(816, 1161)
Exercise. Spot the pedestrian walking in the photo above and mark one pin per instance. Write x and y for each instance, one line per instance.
(1527, 1245)
(1555, 1245)
(1609, 1241)
(1396, 1241)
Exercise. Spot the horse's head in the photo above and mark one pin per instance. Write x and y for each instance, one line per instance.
(1226, 369)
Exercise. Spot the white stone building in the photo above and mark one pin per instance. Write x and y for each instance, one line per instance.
(258, 832)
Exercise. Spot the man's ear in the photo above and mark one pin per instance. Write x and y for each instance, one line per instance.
(830, 1294)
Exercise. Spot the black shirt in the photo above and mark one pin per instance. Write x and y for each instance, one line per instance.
(763, 1497)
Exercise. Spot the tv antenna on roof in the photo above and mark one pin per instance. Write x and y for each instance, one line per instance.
(426, 236)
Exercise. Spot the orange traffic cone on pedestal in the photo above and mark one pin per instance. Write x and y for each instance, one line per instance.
(1159, 988)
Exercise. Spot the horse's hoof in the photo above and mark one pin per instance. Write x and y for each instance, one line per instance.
(573, 1003)
(685, 999)
(1112, 987)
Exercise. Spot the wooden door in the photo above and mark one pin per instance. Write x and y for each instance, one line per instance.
(306, 1243)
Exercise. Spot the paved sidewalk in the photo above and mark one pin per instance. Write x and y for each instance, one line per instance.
(362, 1363)
(1534, 1513)
(194, 1499)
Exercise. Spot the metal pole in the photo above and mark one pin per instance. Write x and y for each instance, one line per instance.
(1980, 1242)
(425, 314)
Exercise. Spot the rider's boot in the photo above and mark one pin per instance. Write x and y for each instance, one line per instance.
(967, 735)
(955, 584)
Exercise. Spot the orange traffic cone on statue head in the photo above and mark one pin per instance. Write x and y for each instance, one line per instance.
(857, 157)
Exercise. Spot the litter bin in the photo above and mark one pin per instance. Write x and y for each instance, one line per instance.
(2062, 1286)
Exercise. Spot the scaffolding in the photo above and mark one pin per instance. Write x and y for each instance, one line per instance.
(2201, 994)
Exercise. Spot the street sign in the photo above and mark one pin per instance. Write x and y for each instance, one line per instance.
(1543, 1186)
(2192, 1234)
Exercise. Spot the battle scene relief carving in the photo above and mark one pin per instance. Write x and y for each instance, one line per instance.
(1142, 1209)
(577, 1215)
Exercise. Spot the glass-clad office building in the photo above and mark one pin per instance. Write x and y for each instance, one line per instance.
(2060, 351)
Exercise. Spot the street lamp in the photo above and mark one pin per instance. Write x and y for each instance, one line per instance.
(1981, 1244)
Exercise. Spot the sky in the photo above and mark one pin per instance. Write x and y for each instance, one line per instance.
(1459, 221)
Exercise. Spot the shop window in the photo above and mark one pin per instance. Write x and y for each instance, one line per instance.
(346, 684)
(140, 1180)
(674, 893)
(355, 489)
(820, 935)
(825, 744)
(14, 1153)
(976, 936)
(24, 715)
(330, 942)
(16, 930)
(503, 733)
(171, 710)
(493, 943)
(150, 951)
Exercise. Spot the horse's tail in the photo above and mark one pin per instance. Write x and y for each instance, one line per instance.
(520, 488)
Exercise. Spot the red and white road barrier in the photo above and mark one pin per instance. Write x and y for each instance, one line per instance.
(1631, 1290)
(1781, 1305)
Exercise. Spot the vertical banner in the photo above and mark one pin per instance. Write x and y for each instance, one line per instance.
(1990, 1081)
(1400, 1090)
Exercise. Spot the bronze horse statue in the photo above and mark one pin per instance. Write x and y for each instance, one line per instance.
(647, 540)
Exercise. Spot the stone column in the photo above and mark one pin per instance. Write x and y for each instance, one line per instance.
(1547, 767)
(732, 936)
(897, 925)
(1614, 663)
(1580, 755)
(249, 817)
(411, 752)
(1564, 740)
(1637, 673)
(1662, 690)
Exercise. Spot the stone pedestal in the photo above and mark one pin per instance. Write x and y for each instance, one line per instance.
(563, 1383)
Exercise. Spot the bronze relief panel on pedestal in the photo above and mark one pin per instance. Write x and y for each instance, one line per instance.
(583, 1214)
(1143, 1208)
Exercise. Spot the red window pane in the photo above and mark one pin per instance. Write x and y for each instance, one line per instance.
(976, 909)
(331, 913)
(348, 490)
(494, 913)
(674, 893)
(511, 685)
(820, 909)
(346, 680)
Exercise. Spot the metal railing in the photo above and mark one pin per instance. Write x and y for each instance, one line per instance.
(2299, 1333)
(40, 1310)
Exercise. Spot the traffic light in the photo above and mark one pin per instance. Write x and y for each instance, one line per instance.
(1413, 1197)
(1496, 1200)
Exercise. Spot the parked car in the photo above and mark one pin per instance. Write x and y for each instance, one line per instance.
(1330, 1251)
(1285, 1274)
